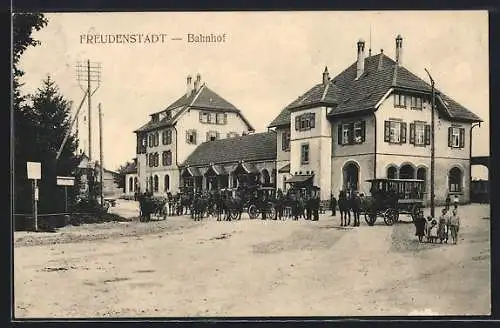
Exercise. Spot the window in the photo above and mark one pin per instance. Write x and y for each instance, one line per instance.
(395, 132)
(166, 137)
(156, 183)
(150, 140)
(455, 180)
(166, 183)
(415, 102)
(204, 117)
(285, 141)
(130, 184)
(135, 184)
(191, 137)
(456, 137)
(151, 160)
(156, 139)
(155, 117)
(420, 133)
(391, 172)
(166, 158)
(221, 118)
(304, 154)
(305, 121)
(399, 100)
(212, 135)
(232, 135)
(351, 133)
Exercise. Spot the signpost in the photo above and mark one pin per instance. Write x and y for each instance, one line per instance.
(34, 170)
(65, 182)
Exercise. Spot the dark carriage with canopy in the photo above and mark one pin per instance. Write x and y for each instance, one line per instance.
(302, 185)
(392, 197)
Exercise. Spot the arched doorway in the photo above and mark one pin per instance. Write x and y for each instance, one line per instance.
(266, 178)
(131, 184)
(351, 176)
(455, 177)
(407, 171)
(392, 172)
(166, 182)
(135, 184)
(234, 179)
(422, 175)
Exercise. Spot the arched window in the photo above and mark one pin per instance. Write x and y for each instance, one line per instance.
(130, 184)
(166, 183)
(135, 184)
(455, 180)
(392, 172)
(407, 172)
(273, 177)
(150, 187)
(156, 183)
(156, 139)
(422, 175)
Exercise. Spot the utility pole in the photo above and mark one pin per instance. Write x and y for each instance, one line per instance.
(432, 142)
(101, 167)
(478, 124)
(89, 72)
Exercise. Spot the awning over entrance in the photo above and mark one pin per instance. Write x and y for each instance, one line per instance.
(191, 172)
(285, 169)
(300, 179)
(216, 170)
(246, 168)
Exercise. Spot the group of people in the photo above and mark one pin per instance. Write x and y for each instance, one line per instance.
(441, 229)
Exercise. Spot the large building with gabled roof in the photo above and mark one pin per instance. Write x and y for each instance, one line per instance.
(172, 134)
(372, 120)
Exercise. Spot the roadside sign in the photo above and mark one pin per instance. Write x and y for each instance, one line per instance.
(34, 170)
(65, 181)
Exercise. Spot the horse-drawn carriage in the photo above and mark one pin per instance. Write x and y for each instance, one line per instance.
(391, 197)
(253, 199)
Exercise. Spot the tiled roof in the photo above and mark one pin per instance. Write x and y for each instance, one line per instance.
(252, 147)
(130, 168)
(381, 73)
(205, 98)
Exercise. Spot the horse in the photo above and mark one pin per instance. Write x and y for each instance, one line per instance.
(149, 205)
(344, 204)
(355, 207)
(198, 207)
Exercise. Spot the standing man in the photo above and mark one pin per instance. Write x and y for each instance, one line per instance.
(454, 226)
(315, 207)
(333, 204)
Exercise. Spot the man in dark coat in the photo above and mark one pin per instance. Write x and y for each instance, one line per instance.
(308, 204)
(315, 207)
(333, 205)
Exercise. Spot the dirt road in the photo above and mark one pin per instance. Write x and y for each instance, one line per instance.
(252, 268)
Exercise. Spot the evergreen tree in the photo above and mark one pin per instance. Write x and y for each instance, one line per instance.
(49, 117)
(23, 26)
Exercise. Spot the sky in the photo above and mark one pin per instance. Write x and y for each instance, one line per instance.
(267, 61)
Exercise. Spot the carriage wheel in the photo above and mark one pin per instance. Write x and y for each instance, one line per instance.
(414, 211)
(253, 211)
(233, 214)
(370, 218)
(389, 218)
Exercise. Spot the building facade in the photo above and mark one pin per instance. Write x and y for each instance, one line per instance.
(373, 120)
(171, 135)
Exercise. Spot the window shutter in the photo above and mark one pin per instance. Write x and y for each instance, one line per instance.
(195, 136)
(312, 120)
(387, 131)
(283, 141)
(363, 131)
(462, 137)
(427, 134)
(403, 132)
(450, 137)
(351, 133)
(297, 123)
(225, 118)
(339, 133)
(412, 133)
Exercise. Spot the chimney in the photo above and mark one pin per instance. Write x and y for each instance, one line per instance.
(197, 82)
(361, 58)
(326, 76)
(399, 50)
(189, 86)
(380, 60)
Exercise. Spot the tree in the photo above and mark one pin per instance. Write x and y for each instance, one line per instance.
(48, 117)
(23, 26)
(120, 178)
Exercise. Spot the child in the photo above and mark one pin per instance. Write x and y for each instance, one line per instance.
(428, 225)
(434, 231)
(420, 225)
(442, 226)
